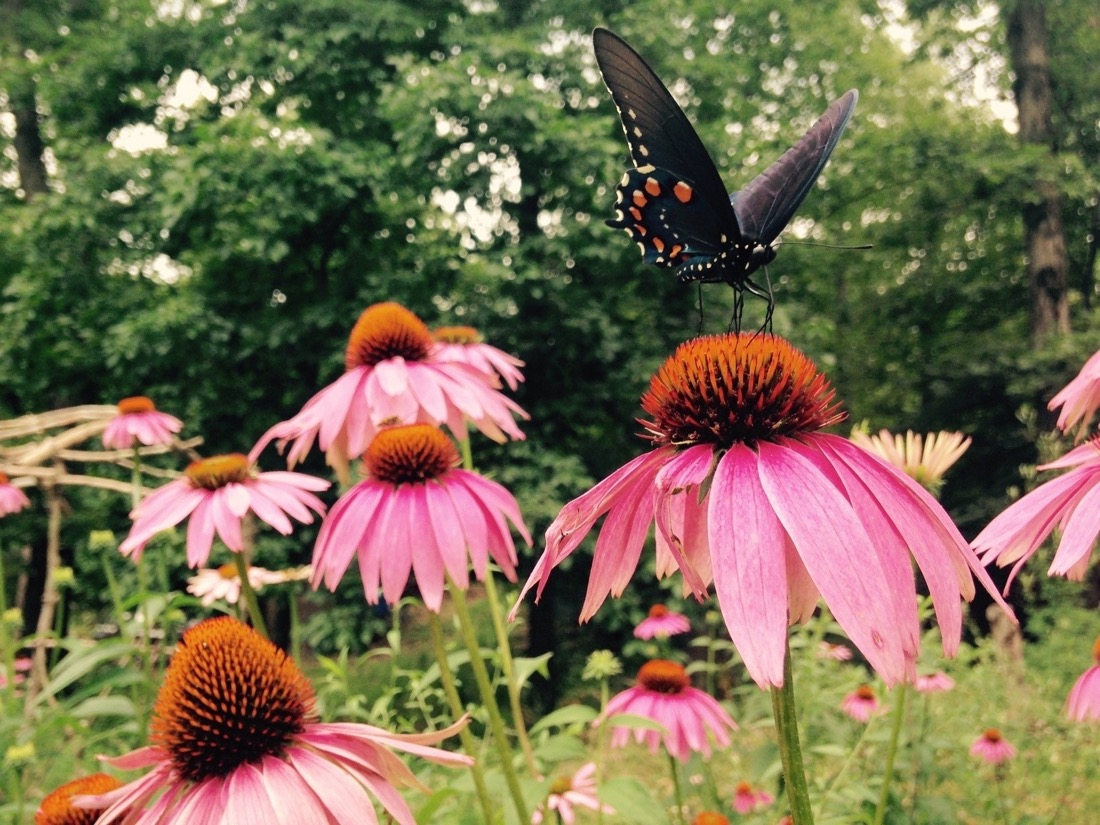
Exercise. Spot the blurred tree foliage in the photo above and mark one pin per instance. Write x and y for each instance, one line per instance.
(304, 159)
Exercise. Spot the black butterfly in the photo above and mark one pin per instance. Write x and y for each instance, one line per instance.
(674, 204)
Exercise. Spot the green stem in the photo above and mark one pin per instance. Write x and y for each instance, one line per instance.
(891, 755)
(248, 595)
(790, 750)
(679, 794)
(295, 630)
(485, 687)
(451, 692)
(605, 695)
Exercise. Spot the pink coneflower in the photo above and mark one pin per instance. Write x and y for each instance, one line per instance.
(393, 374)
(1083, 704)
(12, 499)
(234, 739)
(664, 694)
(924, 459)
(224, 583)
(992, 747)
(746, 491)
(1069, 502)
(138, 419)
(937, 682)
(466, 346)
(861, 704)
(417, 513)
(747, 799)
(568, 792)
(1080, 398)
(57, 808)
(661, 622)
(839, 653)
(216, 493)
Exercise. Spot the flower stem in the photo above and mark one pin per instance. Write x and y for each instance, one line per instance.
(248, 595)
(484, 686)
(790, 750)
(678, 793)
(468, 744)
(891, 755)
(601, 751)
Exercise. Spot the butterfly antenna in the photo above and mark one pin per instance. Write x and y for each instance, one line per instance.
(699, 329)
(822, 245)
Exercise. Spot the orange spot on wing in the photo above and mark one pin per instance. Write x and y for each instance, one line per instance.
(641, 230)
(658, 244)
(653, 187)
(636, 213)
(640, 198)
(683, 192)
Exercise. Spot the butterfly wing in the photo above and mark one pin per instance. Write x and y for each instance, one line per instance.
(767, 204)
(669, 157)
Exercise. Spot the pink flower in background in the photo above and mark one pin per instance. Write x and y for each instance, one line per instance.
(139, 420)
(12, 499)
(217, 493)
(925, 459)
(1080, 398)
(937, 682)
(417, 514)
(861, 704)
(664, 694)
(252, 751)
(1070, 503)
(839, 653)
(747, 799)
(748, 494)
(224, 583)
(393, 375)
(1083, 704)
(569, 792)
(662, 622)
(465, 345)
(992, 747)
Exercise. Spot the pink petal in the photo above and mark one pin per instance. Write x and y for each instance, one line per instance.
(1079, 534)
(200, 533)
(339, 792)
(427, 564)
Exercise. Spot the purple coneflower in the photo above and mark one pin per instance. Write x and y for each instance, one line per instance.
(861, 704)
(224, 583)
(1083, 704)
(937, 682)
(747, 799)
(569, 792)
(661, 622)
(139, 420)
(1080, 398)
(466, 346)
(992, 747)
(12, 499)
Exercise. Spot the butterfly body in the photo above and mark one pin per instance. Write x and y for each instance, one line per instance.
(673, 202)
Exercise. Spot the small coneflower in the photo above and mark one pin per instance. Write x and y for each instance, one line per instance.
(12, 499)
(748, 493)
(466, 346)
(1080, 398)
(663, 694)
(416, 513)
(224, 583)
(392, 374)
(217, 493)
(234, 739)
(937, 682)
(924, 459)
(1069, 503)
(1083, 704)
(57, 808)
(710, 818)
(992, 747)
(139, 420)
(569, 792)
(747, 799)
(839, 653)
(661, 622)
(861, 704)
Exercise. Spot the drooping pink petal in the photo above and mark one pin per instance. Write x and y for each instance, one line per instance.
(200, 533)
(336, 788)
(427, 562)
(342, 533)
(1078, 534)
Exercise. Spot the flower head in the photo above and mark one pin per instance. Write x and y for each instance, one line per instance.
(138, 419)
(992, 747)
(747, 493)
(417, 514)
(12, 499)
(937, 682)
(393, 374)
(747, 799)
(710, 818)
(234, 739)
(466, 346)
(663, 694)
(1083, 704)
(839, 653)
(57, 808)
(861, 704)
(1080, 398)
(662, 622)
(924, 459)
(224, 583)
(216, 493)
(568, 792)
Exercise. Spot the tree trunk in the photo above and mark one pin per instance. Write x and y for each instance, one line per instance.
(22, 102)
(1047, 263)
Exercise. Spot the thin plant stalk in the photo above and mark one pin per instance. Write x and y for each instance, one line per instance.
(248, 594)
(446, 677)
(295, 629)
(677, 791)
(601, 740)
(891, 755)
(790, 749)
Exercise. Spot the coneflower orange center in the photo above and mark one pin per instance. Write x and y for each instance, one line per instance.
(384, 331)
(865, 692)
(228, 571)
(1095, 647)
(710, 818)
(457, 335)
(561, 785)
(229, 697)
(136, 404)
(410, 454)
(57, 807)
(737, 388)
(4, 478)
(219, 470)
(663, 676)
(743, 787)
(658, 611)
(992, 735)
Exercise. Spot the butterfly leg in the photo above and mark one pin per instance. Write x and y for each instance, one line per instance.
(767, 294)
